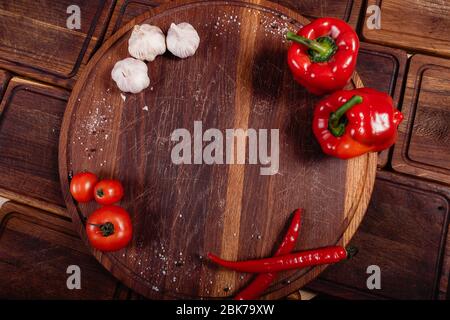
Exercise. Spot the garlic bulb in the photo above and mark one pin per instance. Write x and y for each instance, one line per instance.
(146, 42)
(130, 75)
(182, 40)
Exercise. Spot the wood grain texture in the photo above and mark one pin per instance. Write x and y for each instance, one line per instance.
(423, 147)
(125, 10)
(444, 282)
(182, 212)
(383, 69)
(36, 247)
(348, 10)
(404, 232)
(419, 25)
(36, 42)
(4, 78)
(30, 119)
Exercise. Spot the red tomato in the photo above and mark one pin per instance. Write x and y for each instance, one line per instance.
(82, 186)
(108, 192)
(109, 228)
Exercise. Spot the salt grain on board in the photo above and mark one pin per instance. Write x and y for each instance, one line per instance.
(277, 26)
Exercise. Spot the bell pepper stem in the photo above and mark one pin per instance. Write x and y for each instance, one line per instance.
(312, 44)
(335, 123)
(320, 49)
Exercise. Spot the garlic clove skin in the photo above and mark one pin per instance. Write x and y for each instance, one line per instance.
(130, 75)
(146, 42)
(182, 40)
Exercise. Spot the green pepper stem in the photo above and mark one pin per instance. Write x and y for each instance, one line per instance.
(335, 123)
(351, 252)
(312, 44)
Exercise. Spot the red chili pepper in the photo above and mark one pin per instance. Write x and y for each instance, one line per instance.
(349, 123)
(263, 280)
(288, 262)
(323, 55)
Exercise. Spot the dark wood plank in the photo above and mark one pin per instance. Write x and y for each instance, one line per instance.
(126, 10)
(414, 25)
(348, 10)
(4, 78)
(444, 283)
(226, 209)
(36, 42)
(404, 233)
(383, 69)
(30, 120)
(330, 290)
(423, 147)
(36, 248)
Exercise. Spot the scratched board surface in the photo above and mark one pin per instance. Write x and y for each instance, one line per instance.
(238, 79)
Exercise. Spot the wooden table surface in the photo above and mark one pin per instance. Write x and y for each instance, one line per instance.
(405, 231)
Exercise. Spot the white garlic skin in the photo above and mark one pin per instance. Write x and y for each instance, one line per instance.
(182, 40)
(130, 75)
(146, 42)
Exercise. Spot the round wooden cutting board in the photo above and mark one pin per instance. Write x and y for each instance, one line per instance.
(238, 79)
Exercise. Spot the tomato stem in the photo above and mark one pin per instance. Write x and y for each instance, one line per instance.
(107, 228)
(100, 193)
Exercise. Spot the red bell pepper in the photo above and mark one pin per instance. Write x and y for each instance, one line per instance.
(349, 123)
(323, 55)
